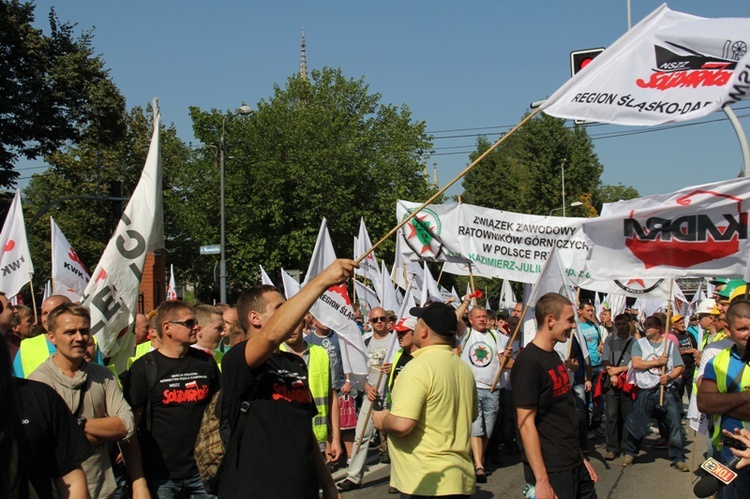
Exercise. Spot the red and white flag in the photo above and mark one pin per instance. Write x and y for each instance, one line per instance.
(112, 293)
(334, 308)
(699, 231)
(69, 274)
(15, 263)
(172, 287)
(670, 67)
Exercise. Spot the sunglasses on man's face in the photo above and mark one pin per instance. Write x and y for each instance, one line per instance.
(190, 323)
(376, 320)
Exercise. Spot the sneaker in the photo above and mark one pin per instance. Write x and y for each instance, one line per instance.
(610, 456)
(591, 436)
(680, 466)
(627, 460)
(346, 485)
(661, 444)
(393, 490)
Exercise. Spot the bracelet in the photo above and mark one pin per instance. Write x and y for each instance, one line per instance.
(348, 380)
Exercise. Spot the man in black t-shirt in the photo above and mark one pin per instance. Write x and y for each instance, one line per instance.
(272, 451)
(168, 389)
(546, 408)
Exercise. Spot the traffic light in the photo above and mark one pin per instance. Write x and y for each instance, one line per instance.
(579, 59)
(115, 192)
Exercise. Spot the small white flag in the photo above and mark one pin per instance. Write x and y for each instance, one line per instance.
(15, 263)
(264, 279)
(172, 288)
(68, 271)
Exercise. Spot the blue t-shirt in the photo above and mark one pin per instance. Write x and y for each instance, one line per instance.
(331, 343)
(735, 366)
(592, 336)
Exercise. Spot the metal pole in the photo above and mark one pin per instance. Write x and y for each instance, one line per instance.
(630, 18)
(563, 186)
(741, 137)
(222, 261)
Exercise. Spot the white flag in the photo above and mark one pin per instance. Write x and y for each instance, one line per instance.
(430, 290)
(696, 231)
(47, 290)
(172, 288)
(69, 274)
(334, 308)
(670, 67)
(553, 279)
(112, 293)
(291, 286)
(368, 267)
(388, 298)
(507, 297)
(366, 296)
(697, 297)
(398, 272)
(264, 279)
(16, 260)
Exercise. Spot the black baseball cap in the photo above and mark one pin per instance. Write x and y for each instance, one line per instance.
(439, 317)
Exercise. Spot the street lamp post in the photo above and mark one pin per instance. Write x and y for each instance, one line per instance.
(572, 205)
(241, 111)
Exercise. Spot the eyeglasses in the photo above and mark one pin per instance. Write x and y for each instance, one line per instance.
(375, 320)
(190, 323)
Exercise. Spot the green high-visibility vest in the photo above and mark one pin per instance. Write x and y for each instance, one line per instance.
(721, 367)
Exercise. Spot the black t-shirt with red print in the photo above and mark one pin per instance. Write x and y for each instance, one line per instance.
(271, 451)
(183, 388)
(540, 380)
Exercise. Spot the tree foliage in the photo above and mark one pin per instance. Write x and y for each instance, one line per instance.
(55, 89)
(523, 175)
(326, 147)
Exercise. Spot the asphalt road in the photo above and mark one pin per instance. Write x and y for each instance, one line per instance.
(649, 477)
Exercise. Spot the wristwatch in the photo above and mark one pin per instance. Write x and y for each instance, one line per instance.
(81, 421)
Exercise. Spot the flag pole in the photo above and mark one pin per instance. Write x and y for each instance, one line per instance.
(33, 299)
(666, 341)
(512, 339)
(440, 275)
(449, 184)
(471, 279)
(369, 413)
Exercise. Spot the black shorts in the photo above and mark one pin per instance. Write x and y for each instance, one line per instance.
(570, 484)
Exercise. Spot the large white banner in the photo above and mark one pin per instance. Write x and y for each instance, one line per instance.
(670, 67)
(112, 293)
(15, 261)
(508, 245)
(696, 231)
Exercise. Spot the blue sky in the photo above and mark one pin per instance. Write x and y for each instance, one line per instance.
(467, 67)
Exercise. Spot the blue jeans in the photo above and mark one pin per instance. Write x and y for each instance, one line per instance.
(488, 403)
(645, 406)
(583, 416)
(177, 489)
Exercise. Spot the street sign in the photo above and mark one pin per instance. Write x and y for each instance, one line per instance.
(211, 249)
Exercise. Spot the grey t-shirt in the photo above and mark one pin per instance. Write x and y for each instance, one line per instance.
(376, 350)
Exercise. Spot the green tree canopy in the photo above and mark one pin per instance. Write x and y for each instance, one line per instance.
(55, 89)
(523, 175)
(326, 147)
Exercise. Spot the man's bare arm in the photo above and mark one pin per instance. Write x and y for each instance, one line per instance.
(281, 325)
(711, 401)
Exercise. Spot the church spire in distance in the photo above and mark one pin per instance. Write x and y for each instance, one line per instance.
(303, 58)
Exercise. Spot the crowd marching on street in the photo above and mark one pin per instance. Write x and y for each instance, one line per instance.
(275, 394)
(264, 379)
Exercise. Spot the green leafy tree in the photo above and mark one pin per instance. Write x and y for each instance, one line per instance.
(607, 193)
(523, 175)
(55, 89)
(324, 147)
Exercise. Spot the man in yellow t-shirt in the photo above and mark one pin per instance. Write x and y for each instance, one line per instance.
(434, 404)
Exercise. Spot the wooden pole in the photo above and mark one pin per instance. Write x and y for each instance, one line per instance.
(471, 280)
(33, 300)
(440, 275)
(449, 184)
(666, 341)
(369, 413)
(512, 339)
(570, 340)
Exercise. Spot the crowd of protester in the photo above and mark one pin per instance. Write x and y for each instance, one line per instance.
(459, 393)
